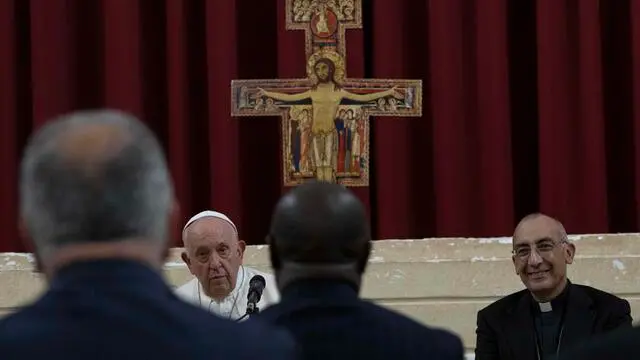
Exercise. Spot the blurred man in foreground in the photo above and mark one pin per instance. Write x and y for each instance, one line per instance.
(622, 344)
(551, 314)
(213, 252)
(319, 247)
(97, 202)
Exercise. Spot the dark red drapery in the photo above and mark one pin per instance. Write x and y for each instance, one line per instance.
(529, 105)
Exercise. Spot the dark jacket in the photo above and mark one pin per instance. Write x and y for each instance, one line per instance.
(116, 309)
(623, 344)
(505, 329)
(329, 321)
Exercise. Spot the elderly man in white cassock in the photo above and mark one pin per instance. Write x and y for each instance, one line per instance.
(213, 253)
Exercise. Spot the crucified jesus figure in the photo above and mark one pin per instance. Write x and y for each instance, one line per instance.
(326, 95)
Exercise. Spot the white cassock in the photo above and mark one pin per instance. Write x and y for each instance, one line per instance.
(234, 306)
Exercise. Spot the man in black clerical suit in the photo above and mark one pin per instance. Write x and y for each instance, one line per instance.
(319, 246)
(552, 314)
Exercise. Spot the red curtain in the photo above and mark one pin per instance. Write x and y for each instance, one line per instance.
(529, 105)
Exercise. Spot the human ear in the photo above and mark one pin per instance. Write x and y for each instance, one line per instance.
(569, 253)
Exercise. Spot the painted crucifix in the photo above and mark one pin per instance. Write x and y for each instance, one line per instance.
(325, 127)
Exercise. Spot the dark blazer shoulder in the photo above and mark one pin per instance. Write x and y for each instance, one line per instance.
(437, 341)
(446, 342)
(599, 297)
(40, 320)
(615, 345)
(503, 305)
(615, 312)
(391, 315)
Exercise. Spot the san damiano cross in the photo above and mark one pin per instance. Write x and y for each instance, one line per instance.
(325, 127)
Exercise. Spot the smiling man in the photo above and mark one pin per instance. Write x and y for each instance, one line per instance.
(551, 314)
(214, 253)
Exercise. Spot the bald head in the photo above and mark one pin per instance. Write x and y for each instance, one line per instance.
(94, 176)
(537, 220)
(320, 223)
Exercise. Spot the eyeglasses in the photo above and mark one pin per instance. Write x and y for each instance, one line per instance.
(544, 248)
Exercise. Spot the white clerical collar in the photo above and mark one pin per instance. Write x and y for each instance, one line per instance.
(545, 307)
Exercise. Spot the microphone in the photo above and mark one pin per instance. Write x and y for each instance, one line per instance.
(256, 287)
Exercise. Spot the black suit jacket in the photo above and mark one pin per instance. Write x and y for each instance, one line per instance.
(115, 309)
(505, 329)
(329, 321)
(623, 344)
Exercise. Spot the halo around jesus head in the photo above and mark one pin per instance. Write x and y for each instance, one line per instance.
(331, 55)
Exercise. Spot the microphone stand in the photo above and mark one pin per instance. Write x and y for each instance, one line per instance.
(252, 309)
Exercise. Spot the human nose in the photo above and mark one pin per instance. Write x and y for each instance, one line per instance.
(534, 258)
(214, 261)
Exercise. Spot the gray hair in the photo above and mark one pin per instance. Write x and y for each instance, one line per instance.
(107, 198)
